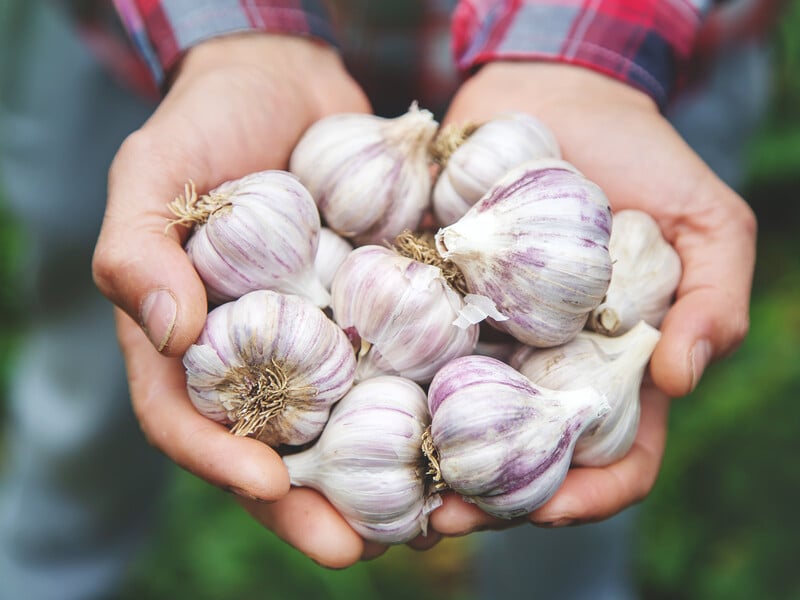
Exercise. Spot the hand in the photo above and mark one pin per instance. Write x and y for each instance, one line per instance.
(616, 136)
(238, 104)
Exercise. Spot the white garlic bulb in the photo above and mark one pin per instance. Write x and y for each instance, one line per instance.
(537, 245)
(614, 366)
(369, 175)
(501, 441)
(369, 463)
(270, 365)
(492, 150)
(331, 252)
(257, 232)
(401, 312)
(646, 273)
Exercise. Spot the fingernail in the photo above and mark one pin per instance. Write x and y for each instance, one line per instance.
(699, 357)
(159, 311)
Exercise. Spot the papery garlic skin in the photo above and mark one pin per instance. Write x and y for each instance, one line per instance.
(615, 366)
(331, 252)
(537, 245)
(263, 235)
(369, 175)
(647, 271)
(401, 312)
(503, 442)
(271, 365)
(369, 463)
(496, 146)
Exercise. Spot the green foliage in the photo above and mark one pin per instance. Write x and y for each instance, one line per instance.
(11, 244)
(722, 521)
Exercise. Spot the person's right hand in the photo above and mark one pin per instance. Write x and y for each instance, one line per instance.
(238, 104)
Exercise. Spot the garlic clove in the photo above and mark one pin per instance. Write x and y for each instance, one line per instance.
(613, 365)
(400, 312)
(501, 441)
(331, 252)
(486, 155)
(368, 461)
(369, 175)
(537, 245)
(271, 366)
(646, 273)
(257, 232)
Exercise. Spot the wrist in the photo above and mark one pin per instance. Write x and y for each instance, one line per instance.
(307, 68)
(567, 98)
(545, 87)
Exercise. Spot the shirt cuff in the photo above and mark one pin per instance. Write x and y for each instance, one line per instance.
(645, 43)
(163, 30)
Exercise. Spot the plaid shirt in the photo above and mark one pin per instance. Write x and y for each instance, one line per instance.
(429, 45)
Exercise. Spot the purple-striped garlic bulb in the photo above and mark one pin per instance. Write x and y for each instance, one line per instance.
(401, 314)
(537, 246)
(369, 462)
(615, 366)
(369, 175)
(647, 271)
(501, 441)
(475, 157)
(259, 232)
(270, 366)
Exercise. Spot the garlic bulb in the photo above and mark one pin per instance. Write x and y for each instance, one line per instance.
(331, 252)
(369, 463)
(257, 232)
(647, 270)
(501, 441)
(271, 365)
(615, 367)
(369, 175)
(401, 312)
(493, 149)
(537, 245)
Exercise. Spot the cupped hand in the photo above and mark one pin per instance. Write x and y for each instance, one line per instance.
(237, 105)
(616, 136)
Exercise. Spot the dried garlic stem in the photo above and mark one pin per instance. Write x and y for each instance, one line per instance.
(422, 248)
(449, 139)
(433, 472)
(261, 394)
(192, 210)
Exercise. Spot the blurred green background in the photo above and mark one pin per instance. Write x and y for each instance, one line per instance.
(722, 521)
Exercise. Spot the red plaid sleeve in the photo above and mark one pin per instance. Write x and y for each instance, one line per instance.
(163, 29)
(646, 43)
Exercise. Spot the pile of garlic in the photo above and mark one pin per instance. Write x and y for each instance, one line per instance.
(357, 349)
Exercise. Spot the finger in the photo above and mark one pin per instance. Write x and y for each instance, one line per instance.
(307, 521)
(373, 550)
(710, 317)
(456, 517)
(170, 422)
(425, 541)
(592, 494)
(139, 264)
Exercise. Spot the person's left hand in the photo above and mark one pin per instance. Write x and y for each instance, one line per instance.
(616, 136)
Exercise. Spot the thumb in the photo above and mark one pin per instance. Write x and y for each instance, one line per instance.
(139, 263)
(710, 317)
